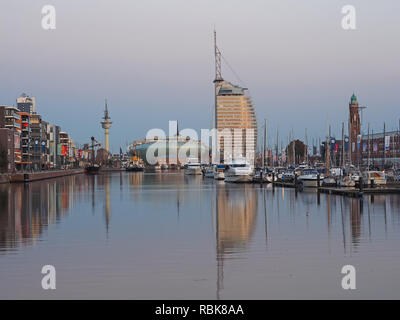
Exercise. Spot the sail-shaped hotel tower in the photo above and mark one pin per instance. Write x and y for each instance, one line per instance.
(234, 113)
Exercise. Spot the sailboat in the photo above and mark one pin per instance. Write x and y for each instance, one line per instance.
(93, 168)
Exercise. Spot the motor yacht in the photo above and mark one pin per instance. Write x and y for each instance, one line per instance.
(219, 171)
(239, 170)
(308, 178)
(193, 167)
(374, 177)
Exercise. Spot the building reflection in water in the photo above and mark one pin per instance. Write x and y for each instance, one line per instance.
(235, 219)
(26, 210)
(104, 181)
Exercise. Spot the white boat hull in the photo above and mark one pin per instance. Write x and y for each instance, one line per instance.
(268, 178)
(350, 184)
(193, 171)
(378, 177)
(309, 183)
(239, 178)
(219, 176)
(209, 174)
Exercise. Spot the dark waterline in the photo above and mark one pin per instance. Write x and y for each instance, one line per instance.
(170, 236)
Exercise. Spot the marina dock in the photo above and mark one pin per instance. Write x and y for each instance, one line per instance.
(392, 188)
(354, 192)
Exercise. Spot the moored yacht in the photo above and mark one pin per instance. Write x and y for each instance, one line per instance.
(346, 182)
(239, 170)
(308, 178)
(193, 167)
(269, 176)
(209, 172)
(134, 167)
(374, 177)
(219, 171)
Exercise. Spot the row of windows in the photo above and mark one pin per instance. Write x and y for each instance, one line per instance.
(233, 106)
(235, 122)
(226, 98)
(235, 113)
(244, 118)
(235, 118)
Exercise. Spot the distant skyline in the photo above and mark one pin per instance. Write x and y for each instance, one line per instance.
(153, 61)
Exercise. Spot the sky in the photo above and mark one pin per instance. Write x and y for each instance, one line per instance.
(154, 61)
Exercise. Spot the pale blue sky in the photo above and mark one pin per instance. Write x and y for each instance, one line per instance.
(154, 62)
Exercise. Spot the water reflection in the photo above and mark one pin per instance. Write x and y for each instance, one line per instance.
(236, 210)
(26, 210)
(249, 223)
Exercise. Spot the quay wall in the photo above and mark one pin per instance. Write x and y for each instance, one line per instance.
(28, 177)
(111, 169)
(4, 178)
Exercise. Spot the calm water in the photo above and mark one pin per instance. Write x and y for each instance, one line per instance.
(167, 236)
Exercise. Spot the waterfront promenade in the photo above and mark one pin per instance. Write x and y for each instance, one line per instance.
(35, 176)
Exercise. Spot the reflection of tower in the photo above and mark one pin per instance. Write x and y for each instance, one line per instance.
(106, 125)
(355, 220)
(354, 127)
(235, 221)
(107, 205)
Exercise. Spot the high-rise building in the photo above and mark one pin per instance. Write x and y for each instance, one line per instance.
(235, 118)
(6, 150)
(11, 119)
(26, 147)
(235, 112)
(63, 148)
(44, 145)
(36, 134)
(53, 134)
(26, 104)
(354, 129)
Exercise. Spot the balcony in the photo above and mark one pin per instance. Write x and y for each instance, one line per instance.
(12, 125)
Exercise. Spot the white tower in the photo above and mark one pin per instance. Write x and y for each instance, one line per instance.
(106, 125)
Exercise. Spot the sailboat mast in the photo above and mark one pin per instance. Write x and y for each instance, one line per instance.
(306, 148)
(328, 149)
(342, 144)
(293, 149)
(384, 145)
(277, 145)
(265, 142)
(369, 148)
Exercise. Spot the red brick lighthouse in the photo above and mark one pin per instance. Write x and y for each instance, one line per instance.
(354, 129)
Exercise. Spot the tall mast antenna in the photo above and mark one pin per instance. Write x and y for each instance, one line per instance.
(218, 73)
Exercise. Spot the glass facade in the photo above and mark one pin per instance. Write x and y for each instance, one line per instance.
(235, 115)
